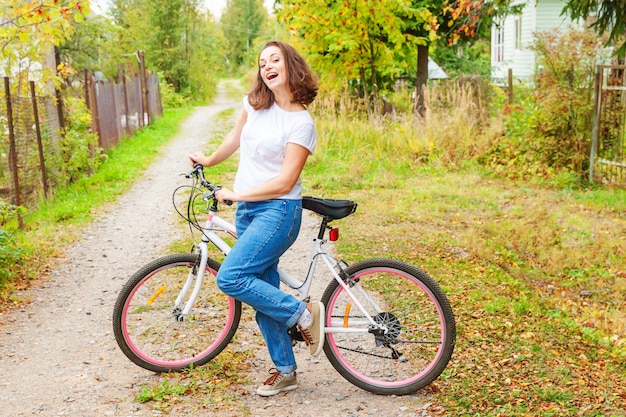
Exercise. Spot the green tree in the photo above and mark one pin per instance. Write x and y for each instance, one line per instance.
(29, 30)
(608, 17)
(375, 41)
(179, 40)
(456, 21)
(89, 48)
(242, 22)
(355, 40)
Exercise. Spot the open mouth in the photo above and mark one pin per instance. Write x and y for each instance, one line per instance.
(271, 75)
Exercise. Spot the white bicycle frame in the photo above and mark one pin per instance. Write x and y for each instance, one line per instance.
(216, 223)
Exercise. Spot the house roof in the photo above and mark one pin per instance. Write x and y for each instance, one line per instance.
(435, 72)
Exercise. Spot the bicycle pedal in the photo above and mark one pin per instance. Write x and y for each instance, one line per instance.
(295, 334)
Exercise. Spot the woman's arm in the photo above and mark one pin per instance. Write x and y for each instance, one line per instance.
(228, 146)
(295, 158)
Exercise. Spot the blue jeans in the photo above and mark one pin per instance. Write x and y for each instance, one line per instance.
(265, 230)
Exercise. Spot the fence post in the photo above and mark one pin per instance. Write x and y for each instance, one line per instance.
(92, 103)
(122, 75)
(57, 93)
(596, 119)
(510, 75)
(42, 161)
(12, 150)
(144, 88)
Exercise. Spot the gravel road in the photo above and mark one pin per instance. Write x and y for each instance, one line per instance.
(58, 355)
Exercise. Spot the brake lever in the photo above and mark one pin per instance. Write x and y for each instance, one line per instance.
(227, 202)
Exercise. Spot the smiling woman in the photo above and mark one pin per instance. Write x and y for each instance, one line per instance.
(275, 135)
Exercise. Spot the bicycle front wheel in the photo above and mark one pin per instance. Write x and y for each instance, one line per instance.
(148, 323)
(419, 334)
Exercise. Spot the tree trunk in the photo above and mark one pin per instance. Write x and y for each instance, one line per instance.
(366, 94)
(421, 80)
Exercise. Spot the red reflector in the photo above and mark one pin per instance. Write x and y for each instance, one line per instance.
(333, 235)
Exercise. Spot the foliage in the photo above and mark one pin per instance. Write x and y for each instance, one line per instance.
(29, 30)
(10, 255)
(53, 224)
(180, 42)
(467, 59)
(242, 23)
(606, 17)
(78, 153)
(369, 45)
(549, 130)
(361, 40)
(169, 97)
(10, 252)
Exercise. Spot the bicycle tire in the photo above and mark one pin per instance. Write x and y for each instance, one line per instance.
(422, 332)
(147, 327)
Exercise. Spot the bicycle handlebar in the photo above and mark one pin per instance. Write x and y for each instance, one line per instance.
(198, 171)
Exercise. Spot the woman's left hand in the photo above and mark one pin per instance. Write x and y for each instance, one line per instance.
(224, 194)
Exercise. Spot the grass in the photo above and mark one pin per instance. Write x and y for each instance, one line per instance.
(58, 221)
(536, 273)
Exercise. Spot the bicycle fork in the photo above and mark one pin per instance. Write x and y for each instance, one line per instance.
(196, 273)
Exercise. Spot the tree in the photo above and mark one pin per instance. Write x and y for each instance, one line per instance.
(455, 21)
(370, 39)
(178, 39)
(359, 40)
(30, 29)
(242, 22)
(89, 48)
(607, 17)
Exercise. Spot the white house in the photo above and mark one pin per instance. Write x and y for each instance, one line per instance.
(510, 38)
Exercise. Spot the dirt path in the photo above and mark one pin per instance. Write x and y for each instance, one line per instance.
(58, 356)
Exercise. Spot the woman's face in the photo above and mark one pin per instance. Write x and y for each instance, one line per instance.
(272, 68)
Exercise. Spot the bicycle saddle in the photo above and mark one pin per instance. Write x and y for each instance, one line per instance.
(333, 209)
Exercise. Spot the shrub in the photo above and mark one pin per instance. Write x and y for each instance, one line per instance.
(77, 151)
(549, 130)
(10, 253)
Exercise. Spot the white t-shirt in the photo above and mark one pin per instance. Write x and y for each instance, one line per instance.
(263, 141)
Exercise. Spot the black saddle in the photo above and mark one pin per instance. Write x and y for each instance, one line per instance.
(332, 209)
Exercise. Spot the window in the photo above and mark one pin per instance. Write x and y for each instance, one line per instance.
(498, 41)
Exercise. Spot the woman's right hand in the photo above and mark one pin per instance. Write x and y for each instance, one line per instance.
(197, 157)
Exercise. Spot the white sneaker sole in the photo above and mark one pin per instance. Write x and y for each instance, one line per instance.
(276, 391)
(320, 324)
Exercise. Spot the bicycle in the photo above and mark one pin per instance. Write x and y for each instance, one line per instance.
(389, 327)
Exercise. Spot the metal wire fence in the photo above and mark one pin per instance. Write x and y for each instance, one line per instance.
(37, 143)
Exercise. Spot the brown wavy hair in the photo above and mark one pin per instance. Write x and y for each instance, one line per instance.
(302, 82)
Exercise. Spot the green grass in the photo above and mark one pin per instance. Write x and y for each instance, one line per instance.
(514, 259)
(536, 273)
(57, 222)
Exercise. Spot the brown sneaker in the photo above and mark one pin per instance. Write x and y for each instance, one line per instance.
(314, 334)
(277, 383)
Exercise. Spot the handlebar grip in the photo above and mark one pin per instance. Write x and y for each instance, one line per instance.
(228, 202)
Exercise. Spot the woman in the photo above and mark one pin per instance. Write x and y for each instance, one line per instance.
(275, 135)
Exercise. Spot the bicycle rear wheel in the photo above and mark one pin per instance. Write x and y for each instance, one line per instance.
(421, 329)
(148, 326)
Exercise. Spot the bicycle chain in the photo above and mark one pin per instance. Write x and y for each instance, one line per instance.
(366, 353)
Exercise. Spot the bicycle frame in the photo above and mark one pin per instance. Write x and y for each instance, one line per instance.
(215, 223)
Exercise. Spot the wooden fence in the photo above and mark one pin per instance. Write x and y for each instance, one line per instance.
(607, 162)
(31, 127)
